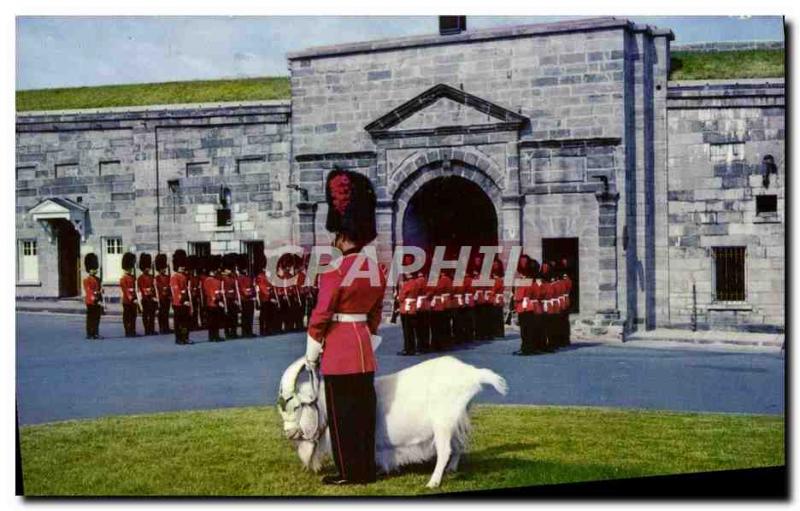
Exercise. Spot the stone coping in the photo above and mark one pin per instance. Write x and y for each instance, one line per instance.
(577, 25)
(154, 109)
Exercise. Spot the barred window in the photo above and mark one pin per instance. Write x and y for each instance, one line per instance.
(112, 259)
(729, 274)
(200, 248)
(28, 265)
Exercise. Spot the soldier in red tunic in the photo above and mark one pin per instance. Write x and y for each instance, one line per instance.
(440, 312)
(498, 299)
(267, 300)
(247, 295)
(181, 301)
(212, 298)
(93, 296)
(164, 294)
(193, 272)
(521, 304)
(423, 323)
(407, 303)
(550, 308)
(148, 296)
(229, 290)
(127, 288)
(469, 309)
(345, 318)
(565, 287)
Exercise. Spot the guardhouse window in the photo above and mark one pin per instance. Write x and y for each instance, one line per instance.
(112, 259)
(729, 274)
(200, 248)
(29, 261)
(766, 204)
(726, 152)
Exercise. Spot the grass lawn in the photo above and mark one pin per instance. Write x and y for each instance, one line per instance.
(201, 91)
(726, 64)
(241, 451)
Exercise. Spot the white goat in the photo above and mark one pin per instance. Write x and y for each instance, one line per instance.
(421, 413)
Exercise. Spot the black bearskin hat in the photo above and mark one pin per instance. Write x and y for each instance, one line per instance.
(202, 264)
(128, 261)
(90, 262)
(145, 261)
(533, 268)
(212, 263)
(179, 259)
(243, 262)
(351, 206)
(229, 262)
(161, 262)
(259, 261)
(524, 264)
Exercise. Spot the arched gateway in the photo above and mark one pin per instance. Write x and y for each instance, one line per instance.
(448, 203)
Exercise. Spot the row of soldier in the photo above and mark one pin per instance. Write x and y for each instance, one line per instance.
(204, 292)
(543, 306)
(437, 316)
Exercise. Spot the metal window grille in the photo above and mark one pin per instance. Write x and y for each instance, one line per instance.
(113, 245)
(29, 248)
(729, 274)
(200, 248)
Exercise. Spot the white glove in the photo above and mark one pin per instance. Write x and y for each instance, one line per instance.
(376, 341)
(313, 350)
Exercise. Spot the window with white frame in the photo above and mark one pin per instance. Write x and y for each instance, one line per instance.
(112, 259)
(727, 152)
(28, 261)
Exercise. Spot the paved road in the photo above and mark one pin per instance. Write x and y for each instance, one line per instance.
(62, 376)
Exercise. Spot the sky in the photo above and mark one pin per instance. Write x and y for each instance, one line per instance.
(81, 51)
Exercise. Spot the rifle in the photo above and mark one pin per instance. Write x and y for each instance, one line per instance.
(102, 297)
(224, 297)
(238, 293)
(510, 308)
(395, 306)
(258, 293)
(189, 290)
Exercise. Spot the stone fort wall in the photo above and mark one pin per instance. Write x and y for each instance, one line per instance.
(571, 129)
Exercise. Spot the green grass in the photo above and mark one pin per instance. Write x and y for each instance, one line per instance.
(241, 451)
(154, 94)
(726, 65)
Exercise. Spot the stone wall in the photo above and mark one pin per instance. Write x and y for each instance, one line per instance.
(719, 134)
(119, 163)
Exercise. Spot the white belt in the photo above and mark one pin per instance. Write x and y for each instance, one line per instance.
(341, 317)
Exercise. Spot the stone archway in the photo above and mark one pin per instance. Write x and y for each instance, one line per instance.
(482, 183)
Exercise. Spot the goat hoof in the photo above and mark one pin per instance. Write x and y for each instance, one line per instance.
(433, 484)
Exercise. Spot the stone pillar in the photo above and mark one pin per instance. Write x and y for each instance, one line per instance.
(306, 216)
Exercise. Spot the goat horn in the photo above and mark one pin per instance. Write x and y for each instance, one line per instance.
(289, 378)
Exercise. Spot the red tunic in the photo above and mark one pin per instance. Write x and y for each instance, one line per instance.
(567, 290)
(147, 287)
(127, 287)
(212, 292)
(92, 290)
(407, 297)
(229, 288)
(264, 287)
(347, 346)
(521, 299)
(179, 284)
(498, 291)
(246, 288)
(535, 296)
(162, 286)
(442, 293)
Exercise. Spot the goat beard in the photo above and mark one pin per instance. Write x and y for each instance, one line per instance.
(312, 453)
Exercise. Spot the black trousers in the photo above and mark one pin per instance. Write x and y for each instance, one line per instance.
(483, 322)
(194, 321)
(213, 317)
(93, 313)
(566, 329)
(231, 320)
(149, 316)
(163, 316)
(499, 324)
(469, 324)
(129, 319)
(183, 317)
(423, 331)
(266, 318)
(409, 332)
(351, 403)
(550, 330)
(248, 311)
